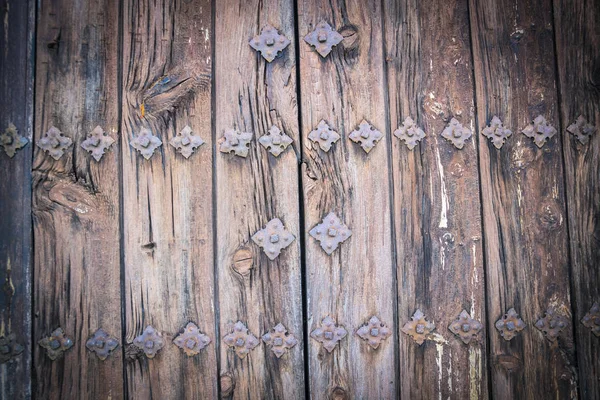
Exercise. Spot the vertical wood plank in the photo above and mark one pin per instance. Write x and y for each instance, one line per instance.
(167, 200)
(356, 281)
(577, 34)
(76, 199)
(251, 95)
(523, 197)
(436, 197)
(16, 103)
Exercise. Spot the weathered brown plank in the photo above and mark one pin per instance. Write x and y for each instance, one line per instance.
(251, 95)
(523, 197)
(356, 281)
(436, 197)
(167, 200)
(16, 103)
(577, 34)
(75, 199)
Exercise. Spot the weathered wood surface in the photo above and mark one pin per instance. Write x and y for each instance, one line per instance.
(251, 95)
(436, 198)
(522, 197)
(16, 103)
(356, 281)
(167, 200)
(75, 199)
(577, 34)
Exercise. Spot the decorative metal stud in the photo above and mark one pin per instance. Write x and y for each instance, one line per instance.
(54, 143)
(323, 38)
(496, 132)
(102, 344)
(275, 141)
(591, 320)
(465, 327)
(328, 333)
(366, 135)
(146, 143)
(191, 340)
(241, 340)
(273, 238)
(539, 130)
(324, 136)
(410, 133)
(269, 43)
(235, 142)
(97, 142)
(56, 344)
(330, 233)
(150, 341)
(186, 142)
(11, 141)
(374, 332)
(9, 348)
(279, 340)
(456, 133)
(552, 325)
(510, 324)
(582, 130)
(419, 328)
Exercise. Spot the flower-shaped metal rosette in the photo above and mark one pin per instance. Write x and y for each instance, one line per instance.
(366, 135)
(496, 132)
(591, 320)
(186, 142)
(273, 238)
(11, 141)
(97, 142)
(9, 348)
(54, 143)
(552, 324)
(374, 332)
(323, 38)
(191, 340)
(241, 340)
(418, 328)
(330, 233)
(410, 133)
(150, 341)
(329, 334)
(279, 340)
(510, 324)
(582, 130)
(456, 134)
(275, 141)
(539, 130)
(324, 136)
(146, 143)
(235, 142)
(465, 327)
(102, 344)
(56, 344)
(269, 43)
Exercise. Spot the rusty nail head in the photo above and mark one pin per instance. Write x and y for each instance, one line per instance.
(150, 341)
(11, 141)
(510, 324)
(456, 134)
(410, 133)
(191, 340)
(54, 143)
(329, 334)
(330, 233)
(582, 130)
(540, 131)
(269, 43)
(9, 348)
(235, 142)
(279, 340)
(324, 136)
(496, 132)
(323, 38)
(241, 340)
(366, 135)
(146, 143)
(465, 327)
(273, 238)
(275, 141)
(97, 142)
(374, 332)
(591, 320)
(186, 142)
(552, 324)
(56, 344)
(102, 344)
(418, 328)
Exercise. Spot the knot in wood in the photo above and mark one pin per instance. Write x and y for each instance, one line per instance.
(323, 38)
(591, 320)
(275, 141)
(410, 133)
(496, 132)
(97, 142)
(56, 344)
(227, 384)
(366, 135)
(240, 340)
(102, 344)
(273, 238)
(242, 261)
(235, 142)
(146, 143)
(540, 131)
(191, 340)
(11, 141)
(186, 142)
(456, 134)
(9, 348)
(339, 394)
(329, 334)
(324, 136)
(150, 341)
(550, 216)
(374, 332)
(330, 233)
(279, 340)
(552, 324)
(582, 130)
(418, 328)
(54, 143)
(269, 43)
(465, 327)
(510, 324)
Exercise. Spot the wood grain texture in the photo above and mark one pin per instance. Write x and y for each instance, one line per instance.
(436, 197)
(75, 199)
(16, 103)
(357, 280)
(167, 200)
(577, 34)
(251, 95)
(523, 197)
